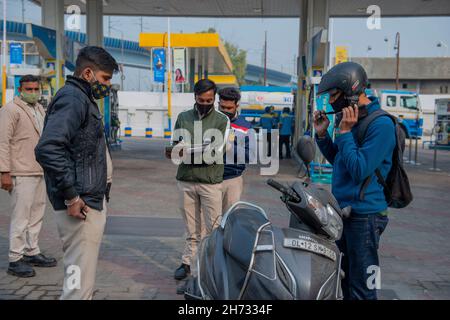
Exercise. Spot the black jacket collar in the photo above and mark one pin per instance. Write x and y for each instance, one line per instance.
(82, 84)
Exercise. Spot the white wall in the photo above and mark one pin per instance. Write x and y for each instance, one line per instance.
(134, 108)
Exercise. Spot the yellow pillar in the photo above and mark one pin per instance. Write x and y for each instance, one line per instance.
(3, 85)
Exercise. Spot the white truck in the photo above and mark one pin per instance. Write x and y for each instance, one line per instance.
(405, 105)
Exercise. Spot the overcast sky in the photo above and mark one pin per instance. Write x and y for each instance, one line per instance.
(419, 36)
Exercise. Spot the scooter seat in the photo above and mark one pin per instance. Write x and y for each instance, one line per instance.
(240, 232)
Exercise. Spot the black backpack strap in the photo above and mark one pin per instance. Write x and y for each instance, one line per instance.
(365, 122)
(363, 125)
(364, 186)
(381, 179)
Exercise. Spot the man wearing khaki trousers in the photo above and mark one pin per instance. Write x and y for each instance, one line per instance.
(81, 244)
(199, 180)
(74, 155)
(238, 148)
(21, 123)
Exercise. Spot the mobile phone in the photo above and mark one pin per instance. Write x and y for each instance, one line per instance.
(339, 112)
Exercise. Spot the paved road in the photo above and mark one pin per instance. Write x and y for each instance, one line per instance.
(143, 239)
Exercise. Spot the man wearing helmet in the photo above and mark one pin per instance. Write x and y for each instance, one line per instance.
(352, 164)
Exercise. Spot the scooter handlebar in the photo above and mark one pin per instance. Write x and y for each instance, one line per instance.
(283, 189)
(276, 185)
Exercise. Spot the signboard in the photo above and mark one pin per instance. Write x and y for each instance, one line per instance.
(341, 54)
(179, 64)
(322, 103)
(159, 64)
(45, 40)
(50, 68)
(71, 50)
(317, 72)
(15, 53)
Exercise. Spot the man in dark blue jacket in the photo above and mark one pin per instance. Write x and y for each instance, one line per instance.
(352, 164)
(237, 153)
(77, 167)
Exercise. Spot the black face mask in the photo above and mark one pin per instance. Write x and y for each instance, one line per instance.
(204, 108)
(230, 115)
(340, 103)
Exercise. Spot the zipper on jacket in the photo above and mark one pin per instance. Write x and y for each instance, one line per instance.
(90, 170)
(90, 175)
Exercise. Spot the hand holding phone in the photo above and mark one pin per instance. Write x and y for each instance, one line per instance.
(349, 118)
(321, 123)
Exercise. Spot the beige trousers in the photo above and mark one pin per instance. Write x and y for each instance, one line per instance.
(81, 245)
(201, 209)
(231, 191)
(28, 199)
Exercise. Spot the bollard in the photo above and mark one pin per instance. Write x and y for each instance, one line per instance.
(128, 131)
(148, 132)
(410, 161)
(415, 152)
(435, 160)
(167, 134)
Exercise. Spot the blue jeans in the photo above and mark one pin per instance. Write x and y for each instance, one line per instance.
(359, 244)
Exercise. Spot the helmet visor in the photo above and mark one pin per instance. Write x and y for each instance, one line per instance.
(330, 95)
(330, 92)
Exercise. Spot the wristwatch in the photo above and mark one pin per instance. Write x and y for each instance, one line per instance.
(69, 203)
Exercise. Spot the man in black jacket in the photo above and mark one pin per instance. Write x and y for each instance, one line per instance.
(74, 155)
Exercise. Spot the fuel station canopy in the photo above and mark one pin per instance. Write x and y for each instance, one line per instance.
(205, 51)
(262, 8)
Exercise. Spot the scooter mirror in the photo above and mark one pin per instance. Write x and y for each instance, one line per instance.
(306, 149)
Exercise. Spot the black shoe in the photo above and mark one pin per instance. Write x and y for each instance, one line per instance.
(40, 260)
(181, 289)
(182, 272)
(21, 269)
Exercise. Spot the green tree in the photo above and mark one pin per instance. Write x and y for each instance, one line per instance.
(238, 58)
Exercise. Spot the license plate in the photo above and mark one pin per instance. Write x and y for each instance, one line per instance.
(310, 246)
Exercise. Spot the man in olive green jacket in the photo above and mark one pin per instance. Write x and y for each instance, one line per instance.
(201, 133)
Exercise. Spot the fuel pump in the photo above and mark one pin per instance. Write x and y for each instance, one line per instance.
(442, 127)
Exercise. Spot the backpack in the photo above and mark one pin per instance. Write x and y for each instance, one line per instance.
(396, 186)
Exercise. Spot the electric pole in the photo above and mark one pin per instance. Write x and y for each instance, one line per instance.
(23, 11)
(109, 26)
(295, 65)
(265, 58)
(397, 46)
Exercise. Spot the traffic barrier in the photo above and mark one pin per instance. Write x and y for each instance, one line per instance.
(148, 132)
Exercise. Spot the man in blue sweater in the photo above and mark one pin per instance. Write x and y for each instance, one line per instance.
(268, 121)
(352, 164)
(286, 126)
(237, 153)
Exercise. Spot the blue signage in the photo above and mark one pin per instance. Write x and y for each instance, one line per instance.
(45, 40)
(159, 65)
(15, 53)
(322, 103)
